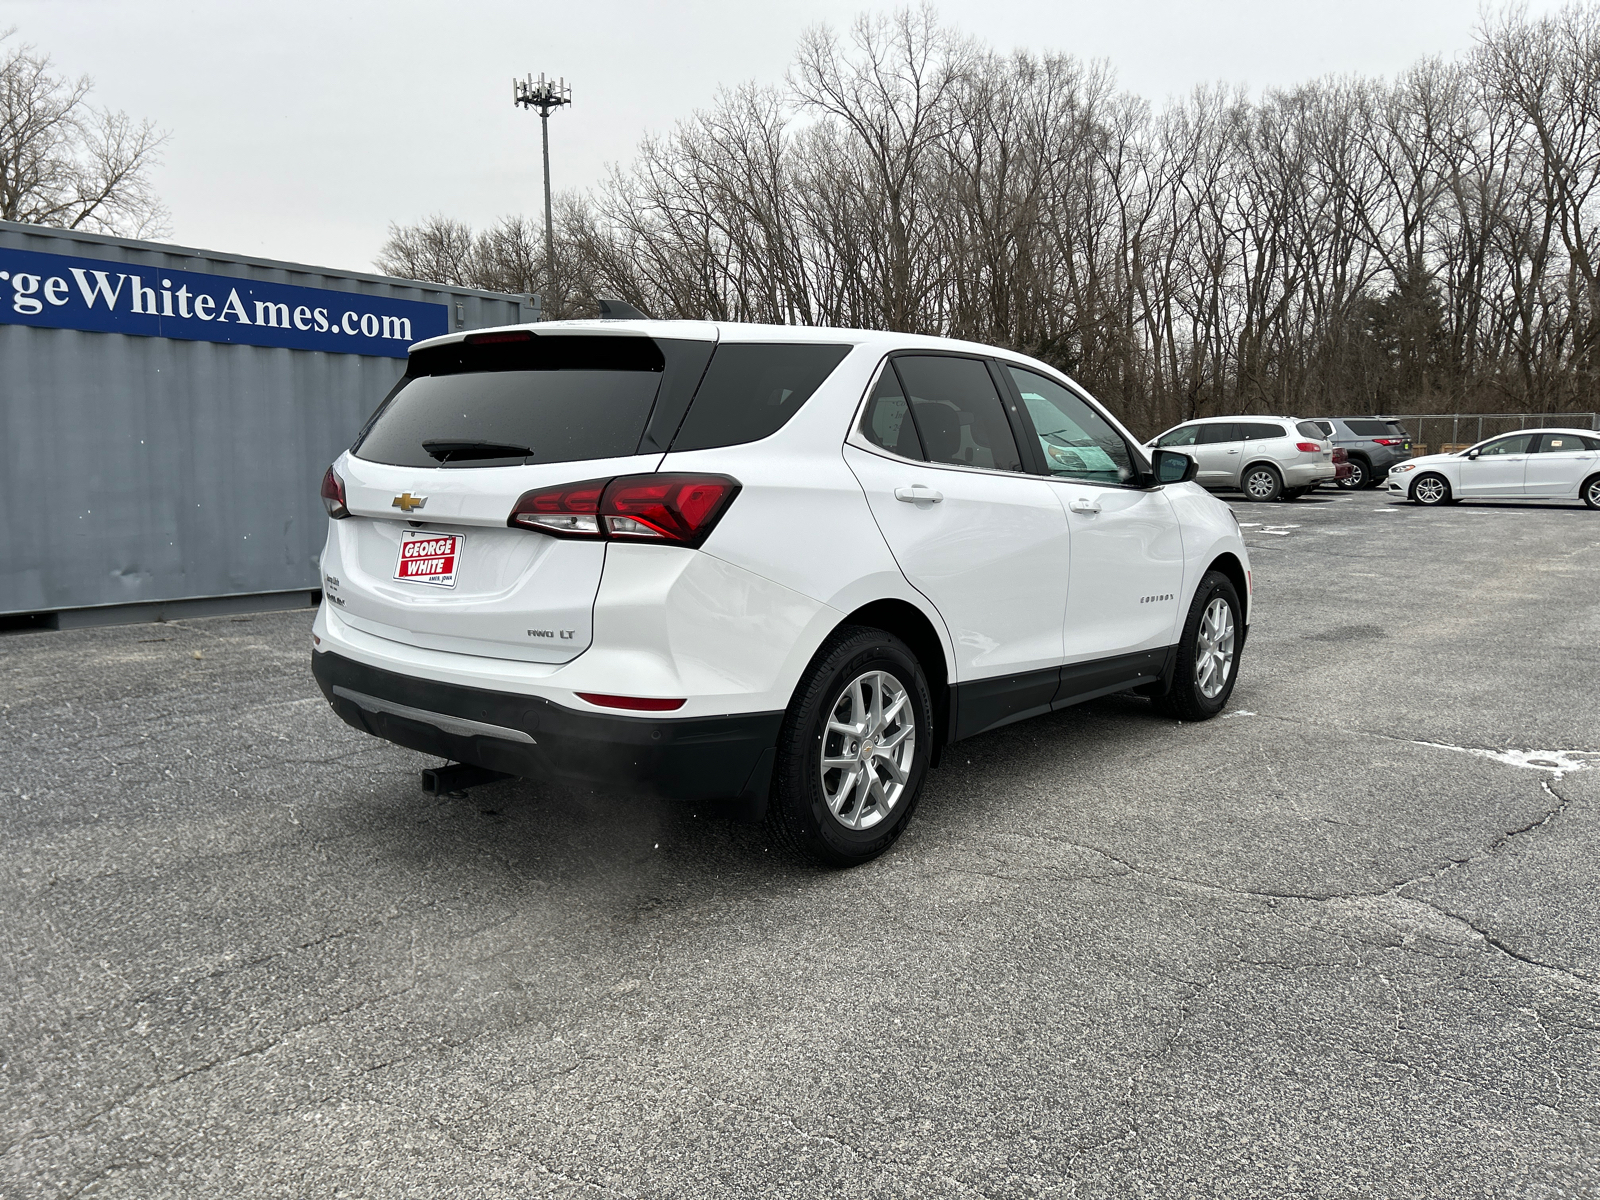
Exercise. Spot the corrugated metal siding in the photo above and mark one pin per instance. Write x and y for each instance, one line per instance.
(139, 469)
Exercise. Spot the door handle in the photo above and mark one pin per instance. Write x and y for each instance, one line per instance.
(1084, 505)
(916, 493)
(1233, 452)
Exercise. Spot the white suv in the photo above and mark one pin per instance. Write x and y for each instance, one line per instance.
(1266, 458)
(778, 566)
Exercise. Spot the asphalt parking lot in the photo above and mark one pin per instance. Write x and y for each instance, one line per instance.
(1342, 941)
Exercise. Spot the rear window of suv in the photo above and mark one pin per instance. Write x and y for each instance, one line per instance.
(518, 399)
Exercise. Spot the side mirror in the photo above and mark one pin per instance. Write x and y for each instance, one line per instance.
(1473, 453)
(1172, 466)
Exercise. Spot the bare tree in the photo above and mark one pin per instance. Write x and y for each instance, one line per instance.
(66, 163)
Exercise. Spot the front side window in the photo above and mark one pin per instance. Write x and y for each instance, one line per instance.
(1183, 435)
(887, 422)
(751, 389)
(957, 412)
(1511, 445)
(1077, 441)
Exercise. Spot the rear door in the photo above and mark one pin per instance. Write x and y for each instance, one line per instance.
(426, 557)
(1216, 451)
(1499, 469)
(1559, 463)
(1127, 551)
(985, 542)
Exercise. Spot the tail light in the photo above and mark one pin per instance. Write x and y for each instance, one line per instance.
(333, 496)
(678, 509)
(1308, 447)
(572, 510)
(1389, 441)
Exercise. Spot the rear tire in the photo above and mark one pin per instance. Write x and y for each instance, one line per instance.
(1431, 489)
(1262, 483)
(1208, 653)
(1360, 476)
(861, 699)
(1590, 491)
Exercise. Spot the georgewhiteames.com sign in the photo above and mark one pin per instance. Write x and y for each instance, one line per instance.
(61, 292)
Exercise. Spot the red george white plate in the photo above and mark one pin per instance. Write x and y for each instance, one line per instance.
(430, 558)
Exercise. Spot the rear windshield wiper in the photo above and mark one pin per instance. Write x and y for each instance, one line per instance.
(460, 451)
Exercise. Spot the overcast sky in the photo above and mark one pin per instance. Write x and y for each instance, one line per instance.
(299, 130)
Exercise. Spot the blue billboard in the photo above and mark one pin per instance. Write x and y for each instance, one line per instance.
(61, 292)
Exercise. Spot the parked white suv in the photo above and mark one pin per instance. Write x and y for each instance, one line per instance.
(775, 565)
(1267, 458)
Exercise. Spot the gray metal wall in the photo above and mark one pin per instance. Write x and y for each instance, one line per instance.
(142, 469)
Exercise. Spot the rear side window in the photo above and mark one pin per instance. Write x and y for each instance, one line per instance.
(1368, 429)
(1258, 431)
(523, 399)
(887, 422)
(1314, 429)
(751, 389)
(1566, 443)
(1217, 431)
(957, 412)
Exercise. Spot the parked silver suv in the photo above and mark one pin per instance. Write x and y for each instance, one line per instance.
(1267, 458)
(1374, 444)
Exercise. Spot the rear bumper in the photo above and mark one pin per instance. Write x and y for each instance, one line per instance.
(686, 758)
(1302, 474)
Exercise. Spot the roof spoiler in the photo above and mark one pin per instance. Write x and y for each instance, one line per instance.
(616, 310)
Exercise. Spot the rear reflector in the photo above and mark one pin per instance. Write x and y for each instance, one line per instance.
(680, 510)
(1308, 447)
(636, 703)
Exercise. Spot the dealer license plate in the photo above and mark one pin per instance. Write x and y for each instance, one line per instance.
(431, 558)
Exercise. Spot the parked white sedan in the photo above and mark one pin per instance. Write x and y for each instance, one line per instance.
(1544, 464)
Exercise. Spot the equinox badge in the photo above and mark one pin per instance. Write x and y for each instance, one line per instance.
(405, 502)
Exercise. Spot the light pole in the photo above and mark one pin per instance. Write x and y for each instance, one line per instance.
(546, 95)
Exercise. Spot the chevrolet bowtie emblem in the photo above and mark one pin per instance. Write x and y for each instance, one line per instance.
(405, 502)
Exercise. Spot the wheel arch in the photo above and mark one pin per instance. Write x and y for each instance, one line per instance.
(1228, 563)
(913, 627)
(1261, 462)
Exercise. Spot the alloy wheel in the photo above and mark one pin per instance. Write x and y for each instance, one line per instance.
(1213, 658)
(1430, 489)
(1593, 493)
(867, 749)
(1260, 484)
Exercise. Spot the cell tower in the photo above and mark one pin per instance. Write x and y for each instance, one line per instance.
(546, 95)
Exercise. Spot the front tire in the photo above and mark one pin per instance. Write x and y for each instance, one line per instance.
(1208, 653)
(854, 748)
(1590, 491)
(1262, 483)
(1430, 490)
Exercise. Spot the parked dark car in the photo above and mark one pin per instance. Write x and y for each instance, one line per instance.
(1374, 444)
